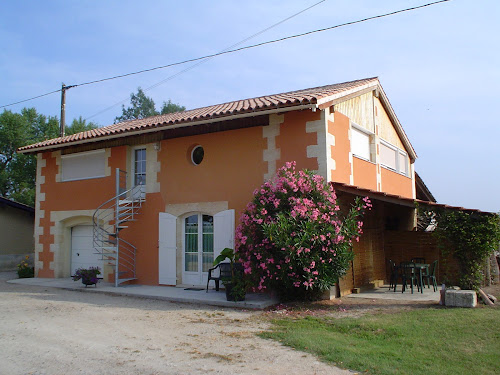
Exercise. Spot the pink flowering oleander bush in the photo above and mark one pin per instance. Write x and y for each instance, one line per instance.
(293, 238)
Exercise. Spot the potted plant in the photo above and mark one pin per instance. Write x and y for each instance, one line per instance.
(235, 285)
(87, 275)
(24, 270)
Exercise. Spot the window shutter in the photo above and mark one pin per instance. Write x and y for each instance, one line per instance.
(167, 249)
(83, 165)
(223, 231)
(360, 144)
(388, 156)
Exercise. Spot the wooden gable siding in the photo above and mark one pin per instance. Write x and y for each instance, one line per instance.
(386, 130)
(359, 110)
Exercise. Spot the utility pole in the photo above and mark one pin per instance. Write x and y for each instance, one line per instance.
(63, 110)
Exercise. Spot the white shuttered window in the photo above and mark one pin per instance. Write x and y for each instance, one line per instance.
(83, 165)
(360, 143)
(388, 156)
(393, 158)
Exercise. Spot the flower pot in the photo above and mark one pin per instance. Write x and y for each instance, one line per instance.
(230, 295)
(88, 282)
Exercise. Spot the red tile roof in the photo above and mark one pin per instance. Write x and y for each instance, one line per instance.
(220, 111)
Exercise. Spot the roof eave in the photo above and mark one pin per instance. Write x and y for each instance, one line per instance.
(162, 126)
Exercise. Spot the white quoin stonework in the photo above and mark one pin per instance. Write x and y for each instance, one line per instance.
(272, 154)
(321, 150)
(330, 141)
(39, 214)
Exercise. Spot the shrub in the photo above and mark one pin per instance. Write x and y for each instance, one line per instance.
(24, 270)
(470, 237)
(293, 237)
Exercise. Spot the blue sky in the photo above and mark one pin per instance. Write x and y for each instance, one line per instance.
(440, 66)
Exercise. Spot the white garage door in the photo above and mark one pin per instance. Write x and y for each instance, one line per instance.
(82, 251)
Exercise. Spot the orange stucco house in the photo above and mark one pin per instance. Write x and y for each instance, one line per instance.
(161, 196)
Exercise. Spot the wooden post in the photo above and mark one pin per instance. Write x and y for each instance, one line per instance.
(63, 110)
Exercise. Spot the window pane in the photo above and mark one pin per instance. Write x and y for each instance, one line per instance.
(208, 260)
(387, 156)
(140, 167)
(191, 243)
(360, 144)
(191, 233)
(191, 262)
(208, 242)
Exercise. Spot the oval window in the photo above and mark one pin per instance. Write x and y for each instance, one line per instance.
(197, 155)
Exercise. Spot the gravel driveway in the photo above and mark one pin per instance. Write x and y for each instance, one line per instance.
(55, 331)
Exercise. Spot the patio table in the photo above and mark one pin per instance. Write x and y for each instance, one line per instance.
(421, 267)
(416, 267)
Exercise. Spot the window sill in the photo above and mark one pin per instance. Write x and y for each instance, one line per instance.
(83, 179)
(362, 158)
(394, 171)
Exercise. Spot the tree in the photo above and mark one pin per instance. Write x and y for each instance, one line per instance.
(80, 125)
(169, 107)
(18, 171)
(293, 237)
(143, 106)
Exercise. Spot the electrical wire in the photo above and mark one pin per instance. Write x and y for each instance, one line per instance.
(33, 98)
(224, 52)
(207, 58)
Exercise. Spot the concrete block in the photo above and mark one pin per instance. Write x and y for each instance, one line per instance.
(461, 298)
(329, 294)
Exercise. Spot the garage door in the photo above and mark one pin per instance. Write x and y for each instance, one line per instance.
(82, 251)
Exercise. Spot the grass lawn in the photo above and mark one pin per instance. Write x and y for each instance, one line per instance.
(421, 341)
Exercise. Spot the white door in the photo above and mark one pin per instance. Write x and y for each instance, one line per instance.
(167, 249)
(82, 250)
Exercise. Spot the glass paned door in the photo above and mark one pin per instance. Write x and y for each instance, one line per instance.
(198, 248)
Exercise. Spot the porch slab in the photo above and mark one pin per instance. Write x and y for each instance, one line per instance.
(252, 301)
(388, 294)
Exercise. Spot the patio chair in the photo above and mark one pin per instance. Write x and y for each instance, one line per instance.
(393, 276)
(407, 272)
(431, 275)
(220, 272)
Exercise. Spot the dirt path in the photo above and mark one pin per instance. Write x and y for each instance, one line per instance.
(52, 331)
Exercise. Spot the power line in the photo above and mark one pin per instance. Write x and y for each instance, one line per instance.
(205, 59)
(33, 98)
(237, 49)
(263, 43)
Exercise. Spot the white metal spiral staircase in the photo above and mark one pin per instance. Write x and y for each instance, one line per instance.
(109, 219)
